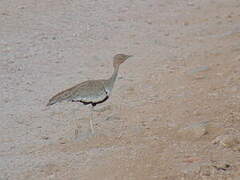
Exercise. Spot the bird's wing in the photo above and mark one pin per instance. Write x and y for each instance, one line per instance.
(89, 91)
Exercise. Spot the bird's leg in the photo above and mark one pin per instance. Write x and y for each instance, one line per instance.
(91, 119)
(119, 99)
(77, 126)
(76, 133)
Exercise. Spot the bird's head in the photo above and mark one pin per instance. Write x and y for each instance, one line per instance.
(119, 59)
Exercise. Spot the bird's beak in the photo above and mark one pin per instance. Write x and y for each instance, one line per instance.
(128, 56)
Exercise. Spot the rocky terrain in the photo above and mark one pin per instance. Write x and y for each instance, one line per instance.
(174, 111)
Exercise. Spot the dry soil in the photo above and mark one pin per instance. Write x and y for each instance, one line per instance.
(174, 111)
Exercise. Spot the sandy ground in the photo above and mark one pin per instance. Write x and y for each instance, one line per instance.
(174, 112)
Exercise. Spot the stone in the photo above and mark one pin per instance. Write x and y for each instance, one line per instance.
(194, 130)
(198, 69)
(227, 140)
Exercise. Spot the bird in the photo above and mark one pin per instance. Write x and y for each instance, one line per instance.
(91, 92)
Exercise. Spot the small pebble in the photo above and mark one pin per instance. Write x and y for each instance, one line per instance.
(45, 137)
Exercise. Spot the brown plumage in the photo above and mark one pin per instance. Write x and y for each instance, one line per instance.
(93, 91)
(88, 92)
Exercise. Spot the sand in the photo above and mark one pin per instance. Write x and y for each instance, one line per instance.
(173, 104)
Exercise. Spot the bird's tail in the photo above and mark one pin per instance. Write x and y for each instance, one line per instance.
(64, 95)
(52, 101)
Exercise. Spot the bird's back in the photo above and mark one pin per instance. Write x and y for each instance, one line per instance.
(92, 91)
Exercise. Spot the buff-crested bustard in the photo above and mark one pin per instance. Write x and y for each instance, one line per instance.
(91, 92)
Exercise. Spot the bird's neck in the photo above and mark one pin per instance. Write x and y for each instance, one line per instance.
(114, 75)
(113, 78)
